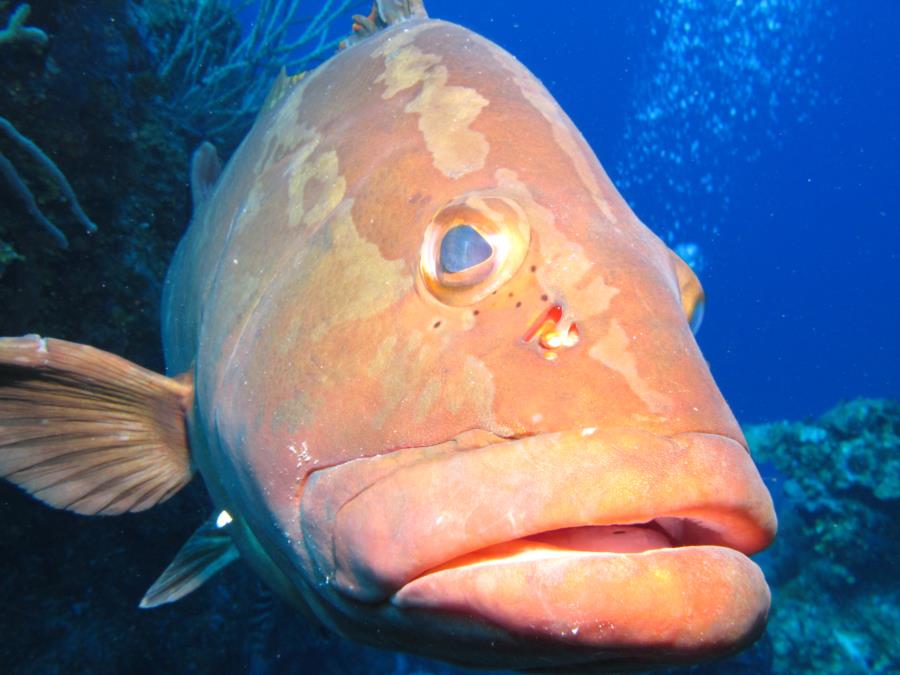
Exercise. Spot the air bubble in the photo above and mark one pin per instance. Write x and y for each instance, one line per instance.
(717, 79)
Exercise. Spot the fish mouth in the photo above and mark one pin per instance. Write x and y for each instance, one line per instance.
(612, 544)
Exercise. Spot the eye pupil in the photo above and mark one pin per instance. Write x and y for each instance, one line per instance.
(463, 247)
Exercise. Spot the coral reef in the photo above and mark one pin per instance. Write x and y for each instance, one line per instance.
(37, 155)
(833, 568)
(214, 79)
(107, 101)
(17, 32)
(76, 104)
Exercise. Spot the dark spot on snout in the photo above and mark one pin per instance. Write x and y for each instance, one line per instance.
(544, 297)
(437, 324)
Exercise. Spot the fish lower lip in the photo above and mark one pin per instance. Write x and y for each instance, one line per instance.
(614, 596)
(382, 522)
(674, 604)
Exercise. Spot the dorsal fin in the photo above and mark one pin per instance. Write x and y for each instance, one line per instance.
(207, 551)
(385, 13)
(205, 170)
(282, 85)
(87, 431)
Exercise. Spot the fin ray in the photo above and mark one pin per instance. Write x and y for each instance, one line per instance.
(85, 430)
(209, 550)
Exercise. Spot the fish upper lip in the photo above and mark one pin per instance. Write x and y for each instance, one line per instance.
(396, 517)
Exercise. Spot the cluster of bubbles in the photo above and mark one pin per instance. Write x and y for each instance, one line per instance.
(720, 80)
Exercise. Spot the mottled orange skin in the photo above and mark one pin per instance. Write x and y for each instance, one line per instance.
(316, 343)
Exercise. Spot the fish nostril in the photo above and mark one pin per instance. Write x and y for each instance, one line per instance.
(556, 338)
(552, 332)
(546, 321)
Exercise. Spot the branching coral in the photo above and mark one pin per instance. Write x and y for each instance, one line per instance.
(214, 77)
(20, 188)
(217, 77)
(16, 32)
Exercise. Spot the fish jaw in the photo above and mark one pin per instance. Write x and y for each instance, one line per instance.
(615, 543)
(667, 606)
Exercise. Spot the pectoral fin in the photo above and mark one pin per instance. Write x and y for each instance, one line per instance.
(208, 550)
(87, 431)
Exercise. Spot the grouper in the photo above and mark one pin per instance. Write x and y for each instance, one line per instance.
(439, 380)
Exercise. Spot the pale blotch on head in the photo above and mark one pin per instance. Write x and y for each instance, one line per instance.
(286, 132)
(566, 266)
(312, 204)
(427, 399)
(351, 262)
(563, 131)
(406, 68)
(478, 203)
(382, 359)
(404, 369)
(614, 352)
(474, 388)
(293, 413)
(445, 112)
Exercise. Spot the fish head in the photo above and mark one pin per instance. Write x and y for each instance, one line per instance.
(468, 416)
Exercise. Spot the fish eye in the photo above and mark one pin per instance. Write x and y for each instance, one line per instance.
(471, 247)
(463, 247)
(693, 299)
(696, 316)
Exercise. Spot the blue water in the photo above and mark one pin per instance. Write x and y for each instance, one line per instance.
(793, 198)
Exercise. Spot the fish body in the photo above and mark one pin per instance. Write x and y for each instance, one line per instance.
(440, 378)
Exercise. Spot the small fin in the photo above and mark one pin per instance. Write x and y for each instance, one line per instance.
(205, 171)
(693, 299)
(208, 550)
(87, 431)
(283, 84)
(384, 13)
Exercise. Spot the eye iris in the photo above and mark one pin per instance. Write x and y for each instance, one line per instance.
(463, 247)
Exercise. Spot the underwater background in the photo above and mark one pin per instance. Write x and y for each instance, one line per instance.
(761, 139)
